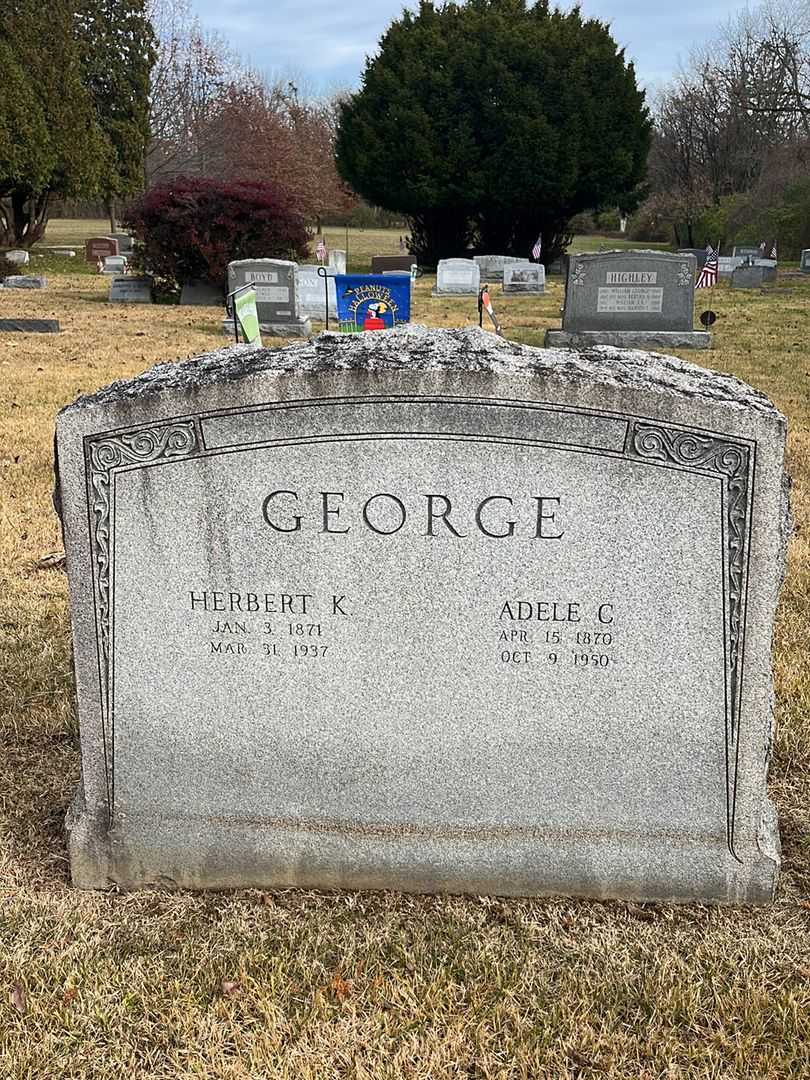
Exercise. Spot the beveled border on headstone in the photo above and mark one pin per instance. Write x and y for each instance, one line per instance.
(454, 397)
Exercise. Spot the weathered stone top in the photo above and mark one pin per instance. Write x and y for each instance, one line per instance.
(673, 256)
(419, 348)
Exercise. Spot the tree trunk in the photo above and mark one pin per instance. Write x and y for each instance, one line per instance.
(109, 203)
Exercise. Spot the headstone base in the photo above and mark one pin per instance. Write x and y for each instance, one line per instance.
(266, 856)
(629, 339)
(451, 292)
(298, 328)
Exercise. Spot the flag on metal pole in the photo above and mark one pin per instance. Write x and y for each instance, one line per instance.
(773, 252)
(762, 248)
(538, 247)
(320, 251)
(707, 278)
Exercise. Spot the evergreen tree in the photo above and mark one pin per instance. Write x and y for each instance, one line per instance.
(50, 141)
(118, 48)
(491, 122)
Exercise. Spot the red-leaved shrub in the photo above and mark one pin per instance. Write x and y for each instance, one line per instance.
(193, 227)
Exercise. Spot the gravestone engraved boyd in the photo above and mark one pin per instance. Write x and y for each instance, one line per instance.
(276, 295)
(631, 299)
(425, 610)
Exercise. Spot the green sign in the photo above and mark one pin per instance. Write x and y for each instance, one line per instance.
(248, 316)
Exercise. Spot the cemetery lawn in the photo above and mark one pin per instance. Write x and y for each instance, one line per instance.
(303, 985)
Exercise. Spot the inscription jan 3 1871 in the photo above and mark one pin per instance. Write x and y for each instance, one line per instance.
(399, 634)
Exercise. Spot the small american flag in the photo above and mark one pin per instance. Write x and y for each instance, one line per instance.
(773, 251)
(320, 250)
(707, 278)
(538, 247)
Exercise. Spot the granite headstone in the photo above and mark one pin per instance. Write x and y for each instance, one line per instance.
(457, 277)
(630, 299)
(752, 276)
(312, 292)
(131, 289)
(804, 261)
(24, 281)
(99, 247)
(381, 263)
(524, 277)
(337, 260)
(276, 299)
(197, 293)
(491, 266)
(18, 257)
(425, 610)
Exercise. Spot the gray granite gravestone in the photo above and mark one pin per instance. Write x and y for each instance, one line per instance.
(524, 277)
(131, 289)
(196, 293)
(337, 260)
(727, 264)
(24, 281)
(312, 293)
(115, 264)
(491, 266)
(276, 300)
(804, 261)
(699, 253)
(425, 610)
(381, 263)
(99, 247)
(17, 256)
(752, 276)
(746, 251)
(457, 277)
(124, 242)
(631, 299)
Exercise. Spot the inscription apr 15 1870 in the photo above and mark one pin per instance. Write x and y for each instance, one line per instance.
(343, 617)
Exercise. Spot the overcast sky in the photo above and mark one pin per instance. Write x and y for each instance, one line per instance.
(323, 43)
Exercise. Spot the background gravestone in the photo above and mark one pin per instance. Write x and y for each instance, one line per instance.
(115, 264)
(699, 253)
(276, 300)
(727, 264)
(752, 276)
(311, 293)
(337, 260)
(491, 266)
(99, 247)
(804, 261)
(630, 299)
(524, 278)
(196, 293)
(748, 251)
(582, 551)
(131, 289)
(24, 281)
(124, 241)
(21, 258)
(457, 277)
(381, 263)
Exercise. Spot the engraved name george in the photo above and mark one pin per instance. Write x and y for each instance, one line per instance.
(432, 515)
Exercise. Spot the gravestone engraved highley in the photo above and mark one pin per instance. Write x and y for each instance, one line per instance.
(425, 610)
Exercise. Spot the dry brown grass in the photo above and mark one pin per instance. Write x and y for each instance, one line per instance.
(302, 985)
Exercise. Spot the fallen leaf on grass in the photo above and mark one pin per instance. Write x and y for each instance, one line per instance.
(803, 972)
(70, 995)
(229, 989)
(18, 997)
(342, 987)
